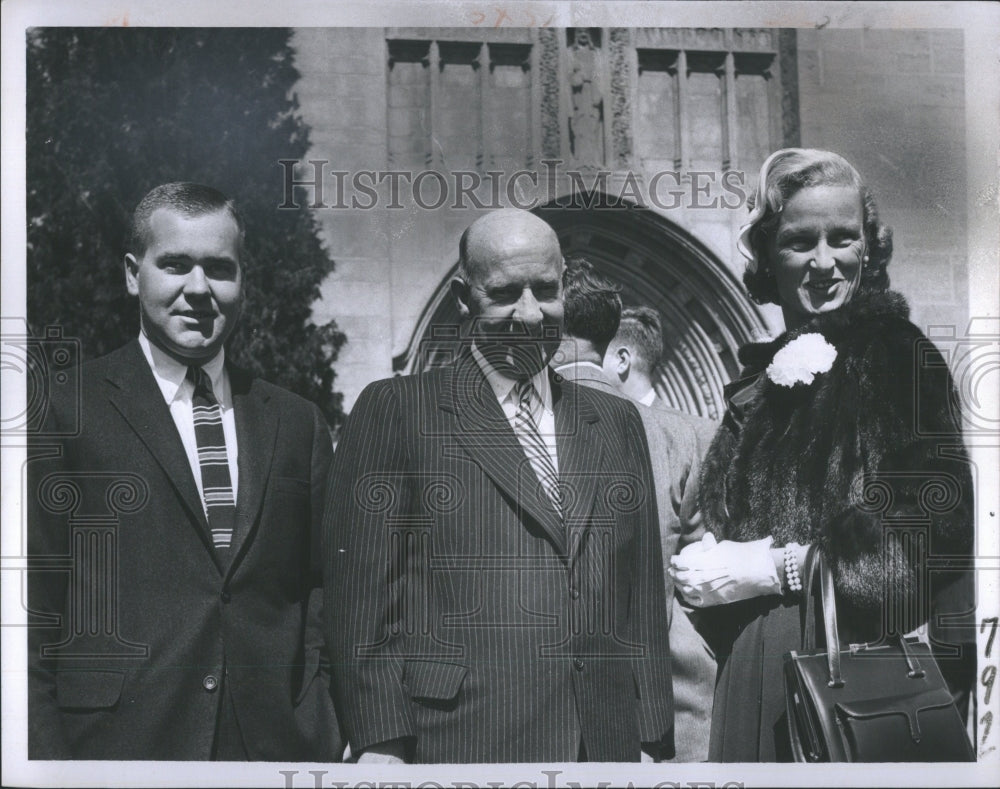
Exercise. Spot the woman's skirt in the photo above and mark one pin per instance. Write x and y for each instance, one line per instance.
(749, 723)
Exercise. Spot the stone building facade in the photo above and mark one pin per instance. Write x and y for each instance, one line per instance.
(639, 145)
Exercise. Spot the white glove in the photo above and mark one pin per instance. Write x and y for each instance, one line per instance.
(711, 573)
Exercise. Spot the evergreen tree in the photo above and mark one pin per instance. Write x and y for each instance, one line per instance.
(113, 112)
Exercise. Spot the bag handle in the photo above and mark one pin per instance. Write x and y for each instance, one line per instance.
(817, 572)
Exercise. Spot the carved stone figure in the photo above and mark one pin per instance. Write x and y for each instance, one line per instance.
(586, 122)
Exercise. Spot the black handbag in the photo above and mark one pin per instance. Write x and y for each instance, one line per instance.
(883, 702)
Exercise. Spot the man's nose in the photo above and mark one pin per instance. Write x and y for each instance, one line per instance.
(527, 308)
(196, 283)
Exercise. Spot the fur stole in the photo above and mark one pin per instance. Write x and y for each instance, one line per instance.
(867, 460)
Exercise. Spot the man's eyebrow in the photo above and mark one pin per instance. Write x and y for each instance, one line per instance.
(492, 284)
(186, 256)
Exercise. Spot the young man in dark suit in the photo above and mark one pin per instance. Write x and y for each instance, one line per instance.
(495, 592)
(183, 520)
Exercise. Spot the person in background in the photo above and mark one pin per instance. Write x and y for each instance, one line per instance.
(592, 309)
(597, 330)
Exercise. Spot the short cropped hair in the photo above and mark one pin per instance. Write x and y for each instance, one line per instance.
(592, 304)
(784, 173)
(185, 197)
(642, 330)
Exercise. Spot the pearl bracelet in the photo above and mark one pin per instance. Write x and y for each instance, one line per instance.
(792, 578)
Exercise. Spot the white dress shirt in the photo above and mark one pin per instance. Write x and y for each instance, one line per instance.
(597, 367)
(171, 377)
(649, 398)
(505, 390)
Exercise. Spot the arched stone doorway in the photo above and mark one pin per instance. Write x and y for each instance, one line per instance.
(706, 314)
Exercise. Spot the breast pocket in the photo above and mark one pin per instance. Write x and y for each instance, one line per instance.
(289, 499)
(285, 541)
(290, 485)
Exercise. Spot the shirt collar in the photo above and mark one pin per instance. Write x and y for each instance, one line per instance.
(649, 398)
(503, 386)
(570, 365)
(170, 374)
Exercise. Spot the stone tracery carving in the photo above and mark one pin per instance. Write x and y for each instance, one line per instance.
(548, 77)
(621, 103)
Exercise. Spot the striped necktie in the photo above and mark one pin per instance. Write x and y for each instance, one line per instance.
(534, 447)
(216, 483)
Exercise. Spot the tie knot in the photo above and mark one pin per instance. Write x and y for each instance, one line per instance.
(524, 391)
(202, 384)
(528, 400)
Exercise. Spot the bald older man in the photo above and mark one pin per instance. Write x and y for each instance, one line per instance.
(494, 582)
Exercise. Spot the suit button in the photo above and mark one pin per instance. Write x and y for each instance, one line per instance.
(574, 592)
(578, 663)
(210, 683)
(226, 597)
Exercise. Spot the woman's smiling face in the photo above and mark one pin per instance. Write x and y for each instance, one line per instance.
(817, 251)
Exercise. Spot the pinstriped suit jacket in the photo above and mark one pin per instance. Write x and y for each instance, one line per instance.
(462, 612)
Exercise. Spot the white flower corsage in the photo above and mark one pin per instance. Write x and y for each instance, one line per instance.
(802, 360)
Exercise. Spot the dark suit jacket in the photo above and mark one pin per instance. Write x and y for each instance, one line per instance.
(462, 613)
(141, 616)
(677, 442)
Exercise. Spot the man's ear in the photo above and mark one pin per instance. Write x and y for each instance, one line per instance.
(131, 274)
(623, 361)
(460, 292)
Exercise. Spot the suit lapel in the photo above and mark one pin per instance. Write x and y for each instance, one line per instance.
(487, 437)
(134, 393)
(580, 451)
(256, 433)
